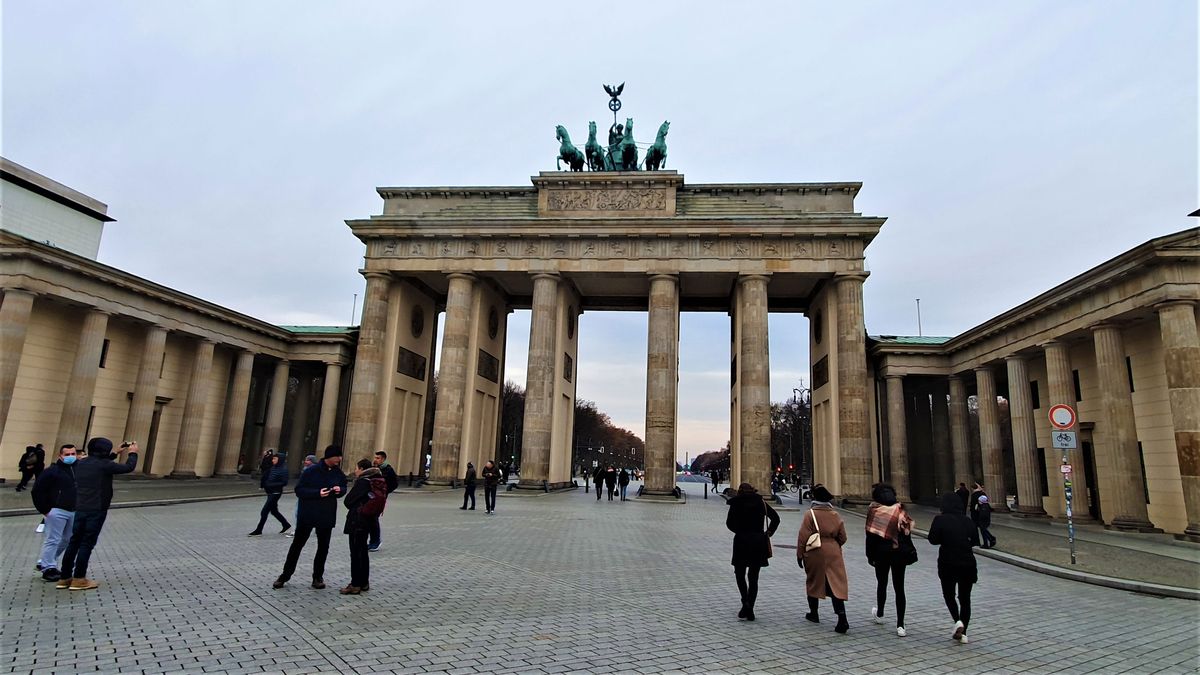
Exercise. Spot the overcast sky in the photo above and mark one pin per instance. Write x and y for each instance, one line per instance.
(1010, 145)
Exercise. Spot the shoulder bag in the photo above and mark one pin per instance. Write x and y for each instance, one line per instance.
(814, 539)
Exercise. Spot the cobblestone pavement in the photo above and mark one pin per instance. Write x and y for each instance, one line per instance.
(553, 583)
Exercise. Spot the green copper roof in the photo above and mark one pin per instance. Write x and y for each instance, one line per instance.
(320, 329)
(910, 339)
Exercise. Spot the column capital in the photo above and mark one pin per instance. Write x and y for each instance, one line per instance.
(1104, 325)
(859, 276)
(546, 275)
(893, 376)
(461, 275)
(1016, 357)
(283, 361)
(672, 276)
(375, 274)
(983, 369)
(21, 291)
(754, 276)
(1180, 302)
(1056, 342)
(955, 377)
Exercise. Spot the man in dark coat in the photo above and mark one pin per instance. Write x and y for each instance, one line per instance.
(610, 481)
(31, 464)
(393, 481)
(964, 494)
(598, 479)
(317, 490)
(623, 481)
(491, 481)
(93, 495)
(54, 497)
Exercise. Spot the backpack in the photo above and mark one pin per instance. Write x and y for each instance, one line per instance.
(376, 499)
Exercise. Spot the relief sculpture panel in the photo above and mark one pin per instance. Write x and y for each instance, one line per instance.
(615, 201)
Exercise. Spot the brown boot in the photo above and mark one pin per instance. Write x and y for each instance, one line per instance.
(84, 584)
(350, 590)
(64, 582)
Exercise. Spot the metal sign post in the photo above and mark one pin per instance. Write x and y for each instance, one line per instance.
(1064, 438)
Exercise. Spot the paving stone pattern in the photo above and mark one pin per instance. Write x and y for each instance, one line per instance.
(551, 584)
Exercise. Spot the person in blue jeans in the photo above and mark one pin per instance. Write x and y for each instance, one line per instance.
(983, 519)
(93, 495)
(623, 482)
(54, 497)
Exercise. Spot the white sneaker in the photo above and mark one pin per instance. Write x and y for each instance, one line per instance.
(875, 615)
(40, 528)
(959, 631)
(963, 639)
(900, 632)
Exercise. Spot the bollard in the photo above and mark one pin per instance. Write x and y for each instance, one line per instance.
(706, 490)
(410, 479)
(545, 486)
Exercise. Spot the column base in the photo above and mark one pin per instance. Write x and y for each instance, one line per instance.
(226, 474)
(851, 501)
(182, 475)
(1029, 512)
(1126, 524)
(661, 497)
(1000, 508)
(1190, 533)
(544, 486)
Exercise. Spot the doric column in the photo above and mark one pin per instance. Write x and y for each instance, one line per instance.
(539, 383)
(853, 429)
(329, 402)
(452, 379)
(754, 397)
(960, 435)
(662, 383)
(1024, 438)
(145, 388)
(1060, 387)
(1181, 352)
(81, 387)
(897, 436)
(990, 442)
(943, 457)
(14, 324)
(273, 428)
(193, 412)
(295, 447)
(234, 422)
(1119, 431)
(363, 412)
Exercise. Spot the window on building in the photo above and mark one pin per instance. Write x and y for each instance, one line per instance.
(1129, 371)
(1033, 395)
(104, 353)
(1078, 389)
(1041, 453)
(1145, 481)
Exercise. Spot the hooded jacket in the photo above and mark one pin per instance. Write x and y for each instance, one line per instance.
(955, 533)
(93, 478)
(55, 489)
(275, 479)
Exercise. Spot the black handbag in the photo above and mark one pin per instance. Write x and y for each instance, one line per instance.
(906, 549)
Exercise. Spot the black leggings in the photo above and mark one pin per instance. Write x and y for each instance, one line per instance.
(881, 577)
(749, 590)
(839, 606)
(961, 610)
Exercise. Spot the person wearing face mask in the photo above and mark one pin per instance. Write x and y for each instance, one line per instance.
(54, 498)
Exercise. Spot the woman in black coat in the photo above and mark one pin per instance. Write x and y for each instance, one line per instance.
(469, 487)
(751, 544)
(274, 479)
(956, 534)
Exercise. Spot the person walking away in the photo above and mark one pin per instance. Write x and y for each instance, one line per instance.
(393, 481)
(31, 464)
(956, 535)
(598, 480)
(491, 481)
(889, 550)
(364, 504)
(983, 519)
(54, 497)
(973, 502)
(751, 544)
(824, 568)
(469, 488)
(93, 495)
(610, 481)
(964, 494)
(623, 481)
(274, 479)
(318, 490)
(714, 476)
(309, 460)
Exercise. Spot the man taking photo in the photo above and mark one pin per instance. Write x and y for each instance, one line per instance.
(93, 495)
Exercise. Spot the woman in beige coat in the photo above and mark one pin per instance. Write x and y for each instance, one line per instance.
(824, 567)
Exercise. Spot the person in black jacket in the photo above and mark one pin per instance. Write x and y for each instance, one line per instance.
(956, 534)
(274, 479)
(93, 495)
(54, 497)
(491, 481)
(469, 487)
(751, 545)
(889, 550)
(983, 520)
(964, 494)
(317, 490)
(31, 464)
(393, 482)
(358, 525)
(610, 481)
(623, 482)
(598, 480)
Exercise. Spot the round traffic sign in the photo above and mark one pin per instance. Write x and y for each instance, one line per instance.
(1062, 416)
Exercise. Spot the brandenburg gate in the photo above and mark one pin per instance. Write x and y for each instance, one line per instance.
(607, 240)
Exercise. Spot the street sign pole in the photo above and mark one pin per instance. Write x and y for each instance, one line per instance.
(1062, 417)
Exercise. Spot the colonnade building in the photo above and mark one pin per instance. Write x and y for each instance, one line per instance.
(89, 350)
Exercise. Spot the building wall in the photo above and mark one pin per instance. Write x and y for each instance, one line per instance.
(44, 220)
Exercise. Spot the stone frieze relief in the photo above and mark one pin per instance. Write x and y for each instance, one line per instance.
(619, 248)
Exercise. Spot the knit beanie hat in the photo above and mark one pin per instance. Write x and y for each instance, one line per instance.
(333, 451)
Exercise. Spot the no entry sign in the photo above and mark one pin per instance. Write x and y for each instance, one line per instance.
(1062, 416)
